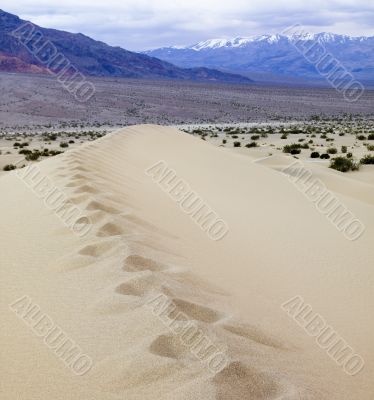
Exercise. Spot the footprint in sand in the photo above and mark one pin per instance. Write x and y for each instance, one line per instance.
(255, 334)
(136, 287)
(87, 189)
(169, 346)
(96, 205)
(98, 249)
(240, 382)
(135, 263)
(75, 183)
(195, 312)
(109, 229)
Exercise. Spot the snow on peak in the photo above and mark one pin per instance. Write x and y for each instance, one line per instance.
(324, 37)
(234, 42)
(210, 44)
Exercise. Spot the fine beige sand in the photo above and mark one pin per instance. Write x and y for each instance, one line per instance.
(96, 288)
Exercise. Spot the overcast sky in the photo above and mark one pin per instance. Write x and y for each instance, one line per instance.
(145, 24)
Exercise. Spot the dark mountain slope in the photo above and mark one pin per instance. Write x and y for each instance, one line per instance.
(95, 58)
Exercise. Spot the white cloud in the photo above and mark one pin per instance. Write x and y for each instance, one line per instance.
(140, 24)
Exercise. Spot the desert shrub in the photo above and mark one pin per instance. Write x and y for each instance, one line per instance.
(361, 137)
(33, 156)
(315, 154)
(252, 144)
(343, 164)
(54, 152)
(344, 149)
(25, 151)
(235, 136)
(72, 141)
(332, 150)
(291, 148)
(255, 137)
(224, 141)
(370, 147)
(371, 136)
(64, 144)
(349, 155)
(237, 144)
(368, 159)
(324, 156)
(284, 136)
(9, 167)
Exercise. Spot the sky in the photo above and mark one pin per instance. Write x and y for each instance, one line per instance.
(145, 24)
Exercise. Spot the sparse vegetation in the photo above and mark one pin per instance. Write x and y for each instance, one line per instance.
(9, 167)
(368, 159)
(343, 164)
(252, 144)
(294, 148)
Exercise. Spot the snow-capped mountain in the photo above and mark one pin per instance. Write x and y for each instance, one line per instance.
(272, 39)
(274, 54)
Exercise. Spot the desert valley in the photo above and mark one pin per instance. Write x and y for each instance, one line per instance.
(196, 229)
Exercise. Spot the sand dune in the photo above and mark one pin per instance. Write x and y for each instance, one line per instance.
(145, 271)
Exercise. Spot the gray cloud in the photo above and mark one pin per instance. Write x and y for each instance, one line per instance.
(144, 24)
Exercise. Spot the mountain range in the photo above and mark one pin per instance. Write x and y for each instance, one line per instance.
(273, 55)
(95, 58)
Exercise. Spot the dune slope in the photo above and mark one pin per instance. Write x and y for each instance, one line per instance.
(145, 270)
